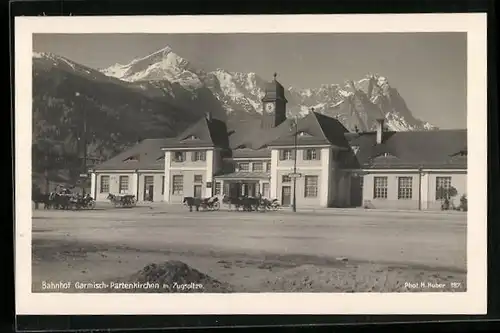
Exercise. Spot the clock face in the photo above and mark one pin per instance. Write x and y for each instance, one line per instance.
(269, 107)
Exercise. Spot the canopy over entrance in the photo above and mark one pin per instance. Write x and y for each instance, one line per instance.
(245, 183)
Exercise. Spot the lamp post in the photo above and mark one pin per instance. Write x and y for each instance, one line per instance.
(84, 145)
(294, 198)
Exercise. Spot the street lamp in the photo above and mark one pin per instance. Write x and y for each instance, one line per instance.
(84, 144)
(294, 198)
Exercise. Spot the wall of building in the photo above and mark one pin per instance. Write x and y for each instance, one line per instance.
(458, 181)
(302, 201)
(114, 187)
(300, 161)
(187, 163)
(157, 185)
(427, 189)
(188, 184)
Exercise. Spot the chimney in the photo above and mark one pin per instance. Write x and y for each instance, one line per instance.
(208, 115)
(380, 130)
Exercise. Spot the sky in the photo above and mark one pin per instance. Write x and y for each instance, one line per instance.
(428, 69)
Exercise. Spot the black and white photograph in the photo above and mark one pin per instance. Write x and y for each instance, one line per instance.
(276, 164)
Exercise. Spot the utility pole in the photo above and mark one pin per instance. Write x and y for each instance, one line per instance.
(294, 199)
(83, 174)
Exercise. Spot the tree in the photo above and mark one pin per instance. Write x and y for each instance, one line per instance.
(446, 194)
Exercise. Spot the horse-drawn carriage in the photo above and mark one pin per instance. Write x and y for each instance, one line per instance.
(211, 203)
(124, 201)
(63, 199)
(251, 203)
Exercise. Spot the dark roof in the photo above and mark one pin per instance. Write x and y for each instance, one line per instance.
(249, 134)
(427, 149)
(244, 175)
(314, 129)
(205, 133)
(146, 155)
(251, 153)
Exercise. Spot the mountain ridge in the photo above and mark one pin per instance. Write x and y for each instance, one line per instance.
(159, 95)
(241, 92)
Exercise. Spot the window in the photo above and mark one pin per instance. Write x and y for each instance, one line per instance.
(285, 179)
(268, 166)
(123, 184)
(310, 154)
(217, 188)
(177, 184)
(179, 156)
(198, 178)
(265, 190)
(258, 166)
(443, 186)
(379, 187)
(198, 156)
(361, 183)
(311, 186)
(162, 184)
(286, 154)
(405, 187)
(104, 188)
(244, 166)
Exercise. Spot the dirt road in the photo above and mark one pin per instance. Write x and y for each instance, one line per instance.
(245, 248)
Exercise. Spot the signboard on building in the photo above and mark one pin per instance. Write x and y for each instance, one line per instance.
(294, 175)
(209, 184)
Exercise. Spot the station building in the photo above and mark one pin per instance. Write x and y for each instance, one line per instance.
(331, 167)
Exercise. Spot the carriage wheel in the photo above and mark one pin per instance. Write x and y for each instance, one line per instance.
(216, 206)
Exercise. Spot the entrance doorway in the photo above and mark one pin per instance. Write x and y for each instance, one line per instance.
(148, 188)
(197, 191)
(286, 195)
(356, 191)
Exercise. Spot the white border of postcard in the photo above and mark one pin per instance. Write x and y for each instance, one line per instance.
(471, 302)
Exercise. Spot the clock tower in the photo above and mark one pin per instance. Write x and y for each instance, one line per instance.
(274, 104)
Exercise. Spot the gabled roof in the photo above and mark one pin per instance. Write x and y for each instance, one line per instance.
(203, 133)
(250, 135)
(321, 130)
(426, 149)
(146, 155)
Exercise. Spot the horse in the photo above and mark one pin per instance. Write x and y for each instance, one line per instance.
(60, 201)
(190, 202)
(247, 203)
(38, 197)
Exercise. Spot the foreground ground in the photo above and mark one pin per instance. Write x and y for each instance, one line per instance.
(330, 250)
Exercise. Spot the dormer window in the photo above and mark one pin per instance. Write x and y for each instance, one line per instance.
(355, 149)
(133, 158)
(191, 137)
(462, 153)
(303, 133)
(179, 156)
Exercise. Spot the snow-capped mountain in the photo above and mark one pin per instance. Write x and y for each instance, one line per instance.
(357, 104)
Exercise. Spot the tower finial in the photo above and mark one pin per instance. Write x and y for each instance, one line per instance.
(274, 75)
